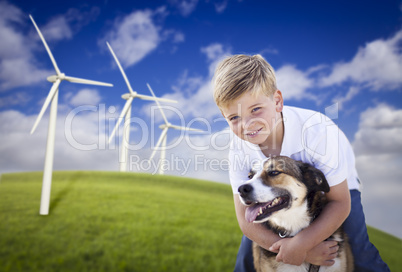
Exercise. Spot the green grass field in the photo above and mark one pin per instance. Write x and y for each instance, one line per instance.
(106, 221)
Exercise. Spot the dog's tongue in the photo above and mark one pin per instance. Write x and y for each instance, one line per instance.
(252, 212)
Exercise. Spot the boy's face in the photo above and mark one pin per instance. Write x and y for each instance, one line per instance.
(252, 118)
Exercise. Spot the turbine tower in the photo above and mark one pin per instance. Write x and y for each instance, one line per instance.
(163, 138)
(126, 113)
(53, 97)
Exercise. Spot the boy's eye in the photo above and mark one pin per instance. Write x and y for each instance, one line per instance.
(234, 118)
(255, 109)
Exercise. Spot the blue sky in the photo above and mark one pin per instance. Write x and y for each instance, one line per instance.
(342, 55)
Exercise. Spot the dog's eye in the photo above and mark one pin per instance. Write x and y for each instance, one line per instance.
(273, 173)
(250, 175)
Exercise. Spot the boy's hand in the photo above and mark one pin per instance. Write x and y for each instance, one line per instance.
(323, 254)
(289, 251)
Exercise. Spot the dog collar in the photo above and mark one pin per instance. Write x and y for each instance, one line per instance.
(282, 235)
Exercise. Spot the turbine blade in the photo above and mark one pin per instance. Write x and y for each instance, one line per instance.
(159, 106)
(163, 135)
(147, 97)
(49, 98)
(46, 46)
(122, 114)
(86, 81)
(185, 128)
(121, 68)
(195, 129)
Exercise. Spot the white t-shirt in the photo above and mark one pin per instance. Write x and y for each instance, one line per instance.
(310, 137)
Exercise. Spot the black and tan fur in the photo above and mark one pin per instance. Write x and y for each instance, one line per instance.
(286, 196)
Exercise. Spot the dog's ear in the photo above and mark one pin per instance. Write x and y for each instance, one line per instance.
(314, 178)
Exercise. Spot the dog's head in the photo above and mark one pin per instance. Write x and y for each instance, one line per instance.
(280, 184)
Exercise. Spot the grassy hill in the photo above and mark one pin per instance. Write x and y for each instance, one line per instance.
(105, 221)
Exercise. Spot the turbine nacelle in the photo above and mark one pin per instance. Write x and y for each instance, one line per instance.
(163, 126)
(126, 111)
(53, 78)
(162, 139)
(127, 96)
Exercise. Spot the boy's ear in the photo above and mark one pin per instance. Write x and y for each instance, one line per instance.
(278, 100)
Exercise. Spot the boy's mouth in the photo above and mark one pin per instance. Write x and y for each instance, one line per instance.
(253, 133)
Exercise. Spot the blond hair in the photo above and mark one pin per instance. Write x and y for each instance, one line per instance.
(238, 74)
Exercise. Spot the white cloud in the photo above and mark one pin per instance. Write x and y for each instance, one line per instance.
(213, 51)
(185, 7)
(64, 26)
(18, 66)
(342, 99)
(137, 35)
(378, 148)
(221, 5)
(293, 83)
(175, 36)
(381, 191)
(195, 93)
(80, 141)
(202, 156)
(81, 17)
(86, 97)
(56, 29)
(188, 83)
(269, 50)
(20, 71)
(12, 44)
(178, 37)
(377, 65)
(134, 37)
(380, 131)
(15, 99)
(382, 116)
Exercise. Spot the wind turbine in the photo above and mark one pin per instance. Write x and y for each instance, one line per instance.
(53, 97)
(126, 113)
(162, 139)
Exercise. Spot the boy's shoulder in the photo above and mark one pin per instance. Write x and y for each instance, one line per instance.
(303, 113)
(304, 117)
(303, 128)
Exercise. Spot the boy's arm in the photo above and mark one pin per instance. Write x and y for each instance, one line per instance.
(293, 251)
(322, 254)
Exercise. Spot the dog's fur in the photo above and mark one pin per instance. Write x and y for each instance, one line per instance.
(286, 196)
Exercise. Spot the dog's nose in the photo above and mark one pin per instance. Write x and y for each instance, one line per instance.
(245, 189)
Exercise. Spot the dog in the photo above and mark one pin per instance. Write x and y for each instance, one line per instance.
(286, 196)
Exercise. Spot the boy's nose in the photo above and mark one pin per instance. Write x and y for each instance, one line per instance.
(247, 123)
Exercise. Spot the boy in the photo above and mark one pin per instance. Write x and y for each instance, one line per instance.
(246, 93)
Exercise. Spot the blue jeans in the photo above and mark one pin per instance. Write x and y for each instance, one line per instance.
(366, 256)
